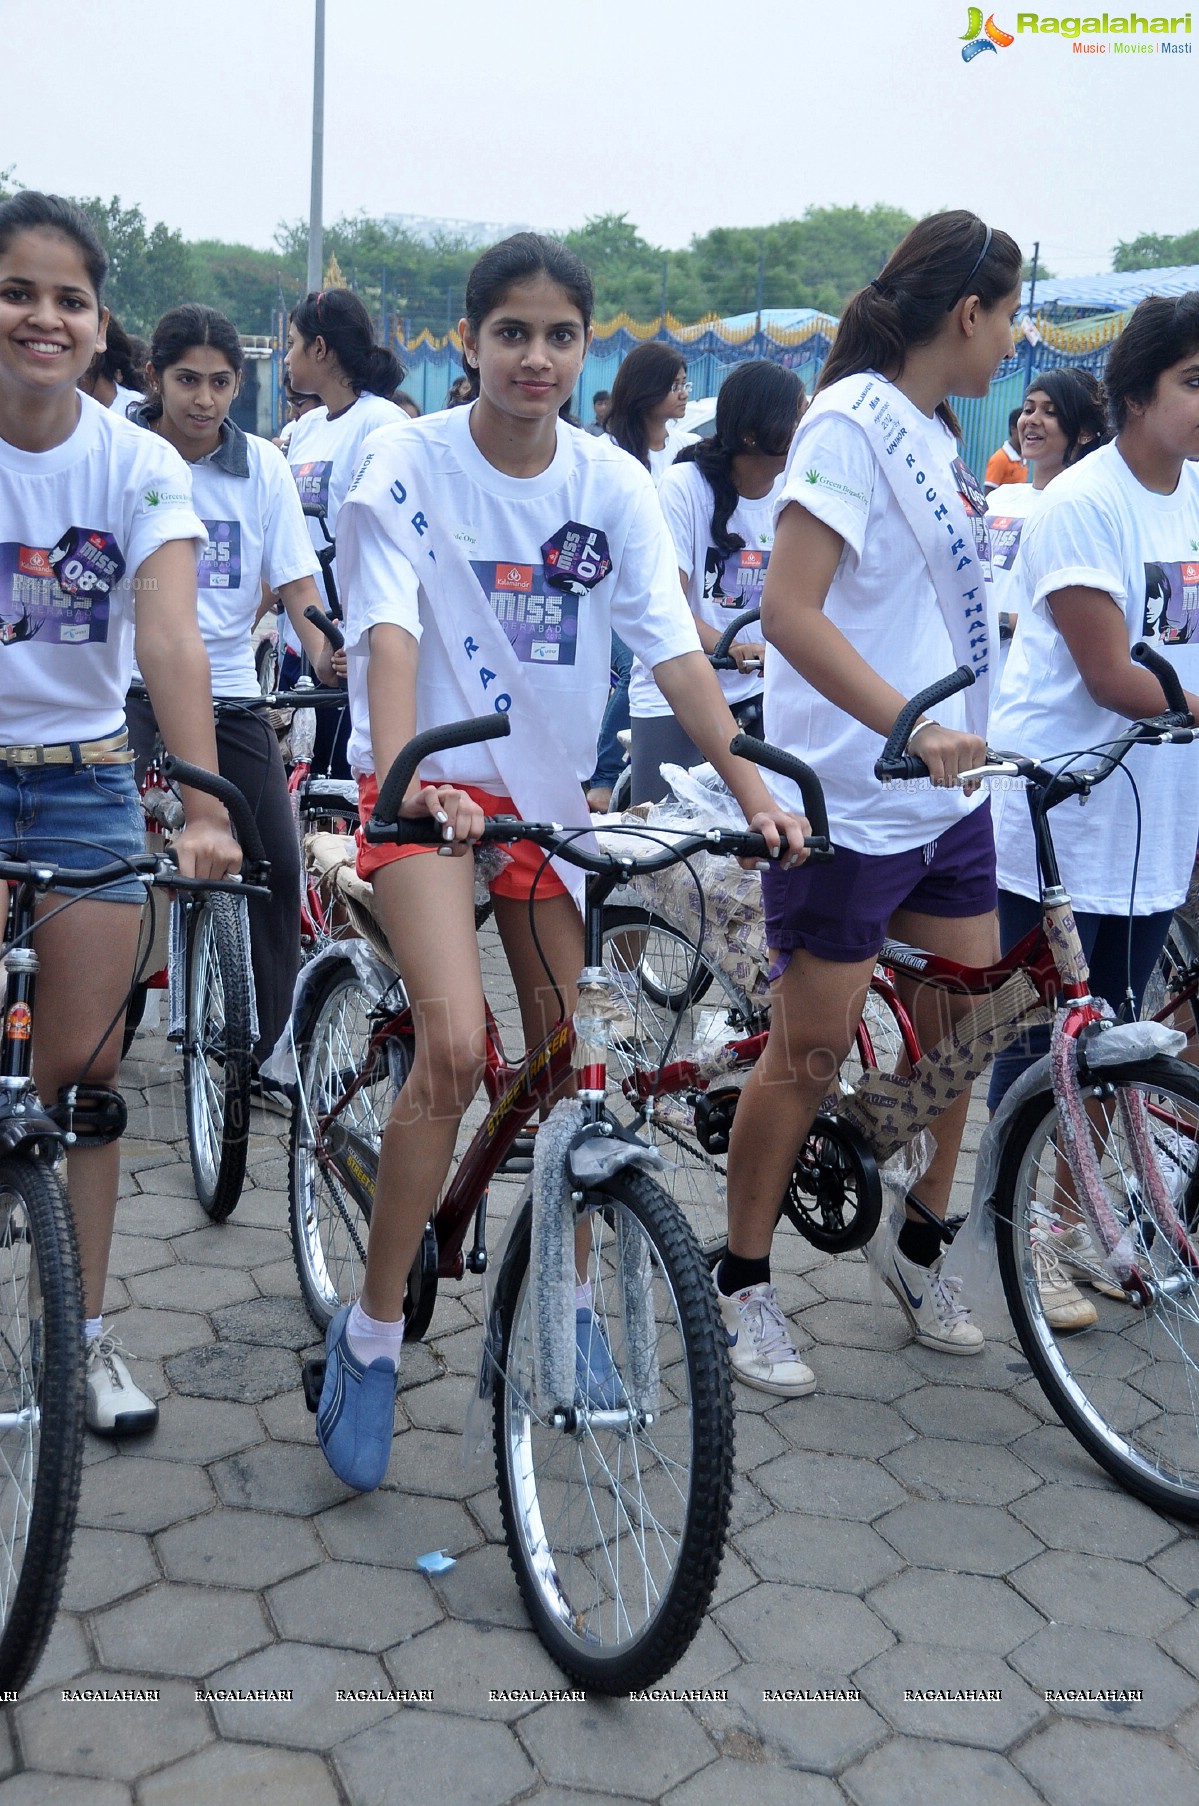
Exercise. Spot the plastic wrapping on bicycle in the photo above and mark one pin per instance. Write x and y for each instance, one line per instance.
(321, 621)
(240, 813)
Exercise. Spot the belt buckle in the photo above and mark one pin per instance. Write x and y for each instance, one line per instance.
(23, 755)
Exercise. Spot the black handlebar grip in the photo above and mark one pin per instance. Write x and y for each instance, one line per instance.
(904, 765)
(1166, 675)
(408, 761)
(332, 633)
(240, 813)
(735, 626)
(773, 758)
(910, 713)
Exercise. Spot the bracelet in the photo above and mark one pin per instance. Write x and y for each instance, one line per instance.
(924, 721)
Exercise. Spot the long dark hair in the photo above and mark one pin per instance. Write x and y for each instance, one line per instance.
(339, 317)
(180, 329)
(940, 261)
(521, 258)
(1160, 333)
(644, 379)
(31, 210)
(117, 362)
(1080, 406)
(757, 410)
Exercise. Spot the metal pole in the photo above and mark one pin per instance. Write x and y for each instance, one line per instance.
(1032, 295)
(315, 202)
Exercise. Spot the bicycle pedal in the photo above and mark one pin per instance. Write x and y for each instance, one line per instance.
(312, 1376)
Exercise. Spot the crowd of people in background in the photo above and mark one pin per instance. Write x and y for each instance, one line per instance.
(592, 568)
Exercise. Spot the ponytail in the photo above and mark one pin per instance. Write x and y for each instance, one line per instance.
(338, 316)
(757, 410)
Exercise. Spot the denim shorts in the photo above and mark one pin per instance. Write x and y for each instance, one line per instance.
(841, 911)
(74, 815)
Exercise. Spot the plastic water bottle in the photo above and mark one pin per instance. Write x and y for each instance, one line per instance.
(303, 728)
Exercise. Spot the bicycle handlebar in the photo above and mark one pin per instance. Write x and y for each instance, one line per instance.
(156, 868)
(773, 758)
(720, 658)
(331, 631)
(394, 787)
(1166, 675)
(196, 778)
(893, 762)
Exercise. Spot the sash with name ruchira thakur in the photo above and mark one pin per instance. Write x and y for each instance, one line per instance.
(944, 506)
(535, 767)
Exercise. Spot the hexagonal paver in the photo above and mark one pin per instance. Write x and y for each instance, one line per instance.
(1179, 1567)
(174, 1629)
(160, 1333)
(178, 1287)
(481, 1588)
(1052, 1452)
(353, 1606)
(274, 1477)
(238, 1548)
(133, 1493)
(829, 1485)
(962, 1696)
(1090, 1764)
(729, 1780)
(465, 1663)
(268, 1322)
(1182, 1641)
(914, 1772)
(1097, 1522)
(109, 1739)
(65, 1656)
(854, 1326)
(430, 1462)
(1091, 1589)
(958, 1611)
(234, 1370)
(966, 1414)
(824, 1552)
(968, 1539)
(105, 1565)
(825, 1425)
(313, 1718)
(229, 1245)
(825, 1635)
(970, 1472)
(236, 1772)
(137, 1254)
(198, 1430)
(60, 1790)
(374, 1527)
(1066, 1657)
(807, 1732)
(640, 1749)
(486, 1768)
(865, 1374)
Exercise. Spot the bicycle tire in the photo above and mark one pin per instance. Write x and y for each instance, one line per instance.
(41, 1383)
(1128, 1388)
(616, 1535)
(329, 1223)
(216, 1055)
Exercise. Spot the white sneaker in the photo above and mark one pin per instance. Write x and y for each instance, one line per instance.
(114, 1406)
(1064, 1305)
(1075, 1248)
(761, 1351)
(929, 1301)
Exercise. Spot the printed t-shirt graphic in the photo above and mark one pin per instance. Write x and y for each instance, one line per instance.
(734, 580)
(220, 563)
(1172, 602)
(542, 624)
(312, 481)
(1005, 539)
(60, 595)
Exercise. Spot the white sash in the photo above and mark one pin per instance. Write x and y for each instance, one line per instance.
(537, 771)
(914, 453)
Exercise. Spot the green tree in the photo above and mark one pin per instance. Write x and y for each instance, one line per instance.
(1157, 251)
(150, 268)
(244, 283)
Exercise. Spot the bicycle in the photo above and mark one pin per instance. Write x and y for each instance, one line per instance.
(615, 1514)
(41, 1306)
(1128, 1390)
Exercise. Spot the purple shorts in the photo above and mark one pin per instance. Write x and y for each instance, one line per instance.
(842, 911)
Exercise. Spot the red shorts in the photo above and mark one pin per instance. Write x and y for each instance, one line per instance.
(516, 879)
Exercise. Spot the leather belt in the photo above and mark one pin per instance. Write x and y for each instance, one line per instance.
(113, 750)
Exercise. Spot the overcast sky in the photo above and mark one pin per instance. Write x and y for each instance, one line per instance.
(684, 114)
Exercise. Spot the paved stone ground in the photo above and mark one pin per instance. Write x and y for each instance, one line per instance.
(918, 1523)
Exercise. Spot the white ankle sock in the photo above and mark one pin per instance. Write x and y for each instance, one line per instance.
(93, 1329)
(372, 1340)
(583, 1296)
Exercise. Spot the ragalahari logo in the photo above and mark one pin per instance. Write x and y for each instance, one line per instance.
(979, 37)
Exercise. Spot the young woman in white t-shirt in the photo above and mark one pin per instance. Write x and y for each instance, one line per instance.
(331, 352)
(855, 626)
(649, 398)
(76, 476)
(112, 378)
(243, 492)
(718, 499)
(491, 548)
(1111, 558)
(1062, 419)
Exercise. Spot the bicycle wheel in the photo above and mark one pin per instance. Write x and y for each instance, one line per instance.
(41, 1408)
(329, 1219)
(616, 1520)
(1128, 1388)
(216, 1055)
(1169, 995)
(667, 986)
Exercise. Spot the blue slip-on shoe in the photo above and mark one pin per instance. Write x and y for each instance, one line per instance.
(596, 1377)
(355, 1419)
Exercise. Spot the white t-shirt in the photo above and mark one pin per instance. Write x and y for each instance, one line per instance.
(256, 529)
(76, 524)
(507, 526)
(1101, 529)
(323, 455)
(124, 399)
(1009, 509)
(661, 461)
(720, 585)
(882, 599)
